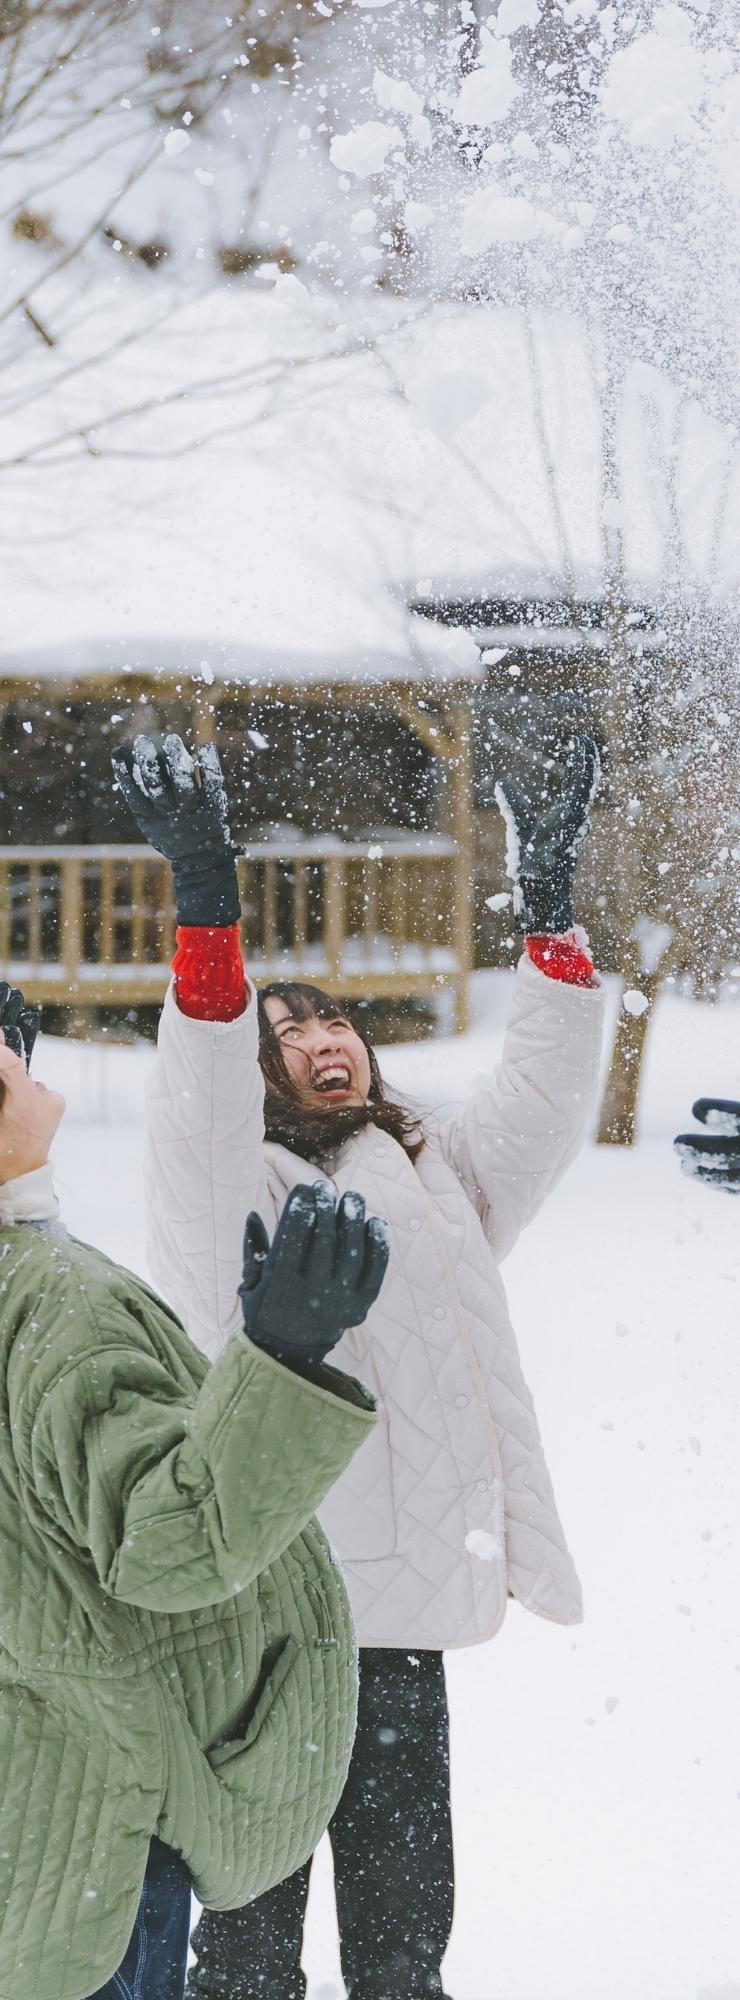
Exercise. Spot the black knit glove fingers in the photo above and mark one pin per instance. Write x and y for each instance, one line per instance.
(713, 1156)
(19, 1023)
(180, 806)
(541, 853)
(321, 1274)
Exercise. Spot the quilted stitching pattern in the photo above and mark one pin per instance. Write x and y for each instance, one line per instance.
(204, 1166)
(128, 1484)
(459, 1449)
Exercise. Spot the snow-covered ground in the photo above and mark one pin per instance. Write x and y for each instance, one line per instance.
(596, 1771)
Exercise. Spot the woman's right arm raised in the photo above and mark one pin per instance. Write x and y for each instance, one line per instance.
(182, 1494)
(204, 1161)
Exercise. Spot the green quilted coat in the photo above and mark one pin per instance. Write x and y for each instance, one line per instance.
(176, 1652)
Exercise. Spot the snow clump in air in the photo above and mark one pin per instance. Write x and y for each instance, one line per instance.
(655, 85)
(492, 217)
(514, 14)
(394, 95)
(489, 90)
(365, 149)
(363, 222)
(176, 141)
(418, 215)
(635, 1003)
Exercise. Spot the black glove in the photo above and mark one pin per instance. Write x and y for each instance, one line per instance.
(541, 854)
(321, 1274)
(713, 1156)
(181, 807)
(19, 1023)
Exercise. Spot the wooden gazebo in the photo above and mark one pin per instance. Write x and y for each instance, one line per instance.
(373, 902)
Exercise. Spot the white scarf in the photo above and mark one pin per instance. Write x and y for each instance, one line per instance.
(30, 1198)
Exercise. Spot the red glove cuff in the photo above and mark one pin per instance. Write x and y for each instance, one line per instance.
(209, 972)
(211, 983)
(562, 958)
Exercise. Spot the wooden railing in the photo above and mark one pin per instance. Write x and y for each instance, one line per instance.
(94, 926)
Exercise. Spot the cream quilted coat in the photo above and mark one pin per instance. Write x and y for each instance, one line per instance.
(448, 1505)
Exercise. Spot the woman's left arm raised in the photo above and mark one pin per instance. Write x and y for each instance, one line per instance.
(520, 1131)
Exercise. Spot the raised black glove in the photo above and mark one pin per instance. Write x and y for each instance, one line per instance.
(19, 1023)
(321, 1274)
(713, 1156)
(541, 854)
(180, 804)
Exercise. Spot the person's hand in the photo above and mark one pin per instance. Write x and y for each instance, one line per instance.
(321, 1274)
(19, 1023)
(181, 807)
(714, 1155)
(541, 853)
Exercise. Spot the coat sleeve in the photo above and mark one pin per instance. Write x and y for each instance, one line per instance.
(519, 1131)
(204, 1166)
(181, 1497)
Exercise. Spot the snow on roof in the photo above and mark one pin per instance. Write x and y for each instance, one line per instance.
(432, 655)
(291, 472)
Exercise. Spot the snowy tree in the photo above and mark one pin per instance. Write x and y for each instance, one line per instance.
(586, 159)
(118, 132)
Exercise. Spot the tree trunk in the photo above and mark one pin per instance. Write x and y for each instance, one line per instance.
(618, 1117)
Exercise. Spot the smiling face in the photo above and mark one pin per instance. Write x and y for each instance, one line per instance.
(326, 1061)
(29, 1116)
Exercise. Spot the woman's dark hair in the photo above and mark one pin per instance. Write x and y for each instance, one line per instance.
(318, 1135)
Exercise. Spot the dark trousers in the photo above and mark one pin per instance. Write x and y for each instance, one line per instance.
(156, 1960)
(391, 1837)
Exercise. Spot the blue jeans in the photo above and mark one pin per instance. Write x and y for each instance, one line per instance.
(156, 1960)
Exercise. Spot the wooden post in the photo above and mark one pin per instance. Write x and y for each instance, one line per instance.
(370, 907)
(33, 892)
(106, 911)
(398, 903)
(461, 829)
(333, 918)
(136, 946)
(4, 914)
(269, 932)
(300, 911)
(72, 920)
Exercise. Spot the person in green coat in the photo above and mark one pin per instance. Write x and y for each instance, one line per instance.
(177, 1661)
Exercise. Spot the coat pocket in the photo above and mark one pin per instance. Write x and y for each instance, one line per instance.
(280, 1772)
(252, 1722)
(359, 1514)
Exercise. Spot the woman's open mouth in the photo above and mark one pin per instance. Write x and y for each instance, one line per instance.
(335, 1077)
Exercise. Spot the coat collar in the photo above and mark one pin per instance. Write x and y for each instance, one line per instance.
(30, 1198)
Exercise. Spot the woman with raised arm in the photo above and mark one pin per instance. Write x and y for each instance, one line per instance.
(177, 1661)
(448, 1509)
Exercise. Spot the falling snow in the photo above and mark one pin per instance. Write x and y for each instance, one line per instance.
(370, 375)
